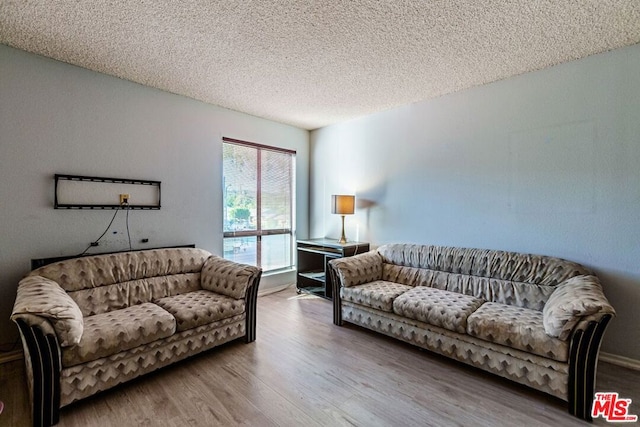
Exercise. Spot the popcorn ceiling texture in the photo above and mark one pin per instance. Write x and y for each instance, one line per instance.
(315, 63)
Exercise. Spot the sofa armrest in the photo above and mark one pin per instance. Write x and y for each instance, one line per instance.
(228, 277)
(358, 269)
(235, 280)
(43, 303)
(574, 300)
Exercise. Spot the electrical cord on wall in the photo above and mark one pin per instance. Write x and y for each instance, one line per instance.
(127, 221)
(105, 232)
(125, 206)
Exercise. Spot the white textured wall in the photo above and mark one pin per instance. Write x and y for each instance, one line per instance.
(546, 162)
(57, 118)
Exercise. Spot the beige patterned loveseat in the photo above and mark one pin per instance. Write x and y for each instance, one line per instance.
(90, 323)
(533, 319)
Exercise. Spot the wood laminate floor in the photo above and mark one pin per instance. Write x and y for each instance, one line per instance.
(304, 371)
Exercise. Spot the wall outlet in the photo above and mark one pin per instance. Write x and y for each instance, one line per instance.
(124, 199)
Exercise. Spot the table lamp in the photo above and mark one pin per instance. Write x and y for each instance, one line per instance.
(342, 205)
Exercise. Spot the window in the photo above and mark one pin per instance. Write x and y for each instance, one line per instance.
(258, 204)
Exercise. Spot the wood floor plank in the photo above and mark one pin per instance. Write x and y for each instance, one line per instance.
(305, 371)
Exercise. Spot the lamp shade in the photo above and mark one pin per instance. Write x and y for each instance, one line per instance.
(342, 204)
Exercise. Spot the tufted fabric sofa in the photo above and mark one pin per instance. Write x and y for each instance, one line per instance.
(536, 320)
(90, 323)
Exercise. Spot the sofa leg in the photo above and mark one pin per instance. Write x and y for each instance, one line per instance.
(45, 364)
(585, 345)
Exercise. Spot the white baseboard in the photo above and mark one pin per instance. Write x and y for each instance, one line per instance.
(274, 289)
(10, 356)
(625, 362)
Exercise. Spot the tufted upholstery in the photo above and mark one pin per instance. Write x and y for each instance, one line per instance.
(46, 299)
(100, 270)
(109, 318)
(509, 313)
(119, 330)
(510, 266)
(516, 327)
(378, 294)
(448, 310)
(198, 308)
(224, 277)
(121, 295)
(574, 299)
(80, 381)
(364, 268)
(527, 295)
(541, 373)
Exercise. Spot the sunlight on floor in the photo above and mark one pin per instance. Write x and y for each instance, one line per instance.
(303, 296)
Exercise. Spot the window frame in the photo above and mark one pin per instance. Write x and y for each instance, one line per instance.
(258, 233)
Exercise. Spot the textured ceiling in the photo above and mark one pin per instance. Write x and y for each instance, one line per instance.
(314, 63)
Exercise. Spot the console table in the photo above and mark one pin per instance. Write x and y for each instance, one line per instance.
(313, 257)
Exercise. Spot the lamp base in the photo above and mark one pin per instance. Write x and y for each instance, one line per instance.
(343, 238)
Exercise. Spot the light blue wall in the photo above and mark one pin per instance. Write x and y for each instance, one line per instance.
(546, 162)
(57, 118)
